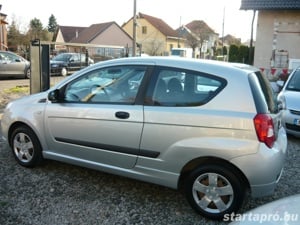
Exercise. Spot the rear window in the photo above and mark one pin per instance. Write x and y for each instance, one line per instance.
(269, 96)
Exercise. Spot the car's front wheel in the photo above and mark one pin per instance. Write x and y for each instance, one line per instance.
(64, 71)
(214, 190)
(26, 147)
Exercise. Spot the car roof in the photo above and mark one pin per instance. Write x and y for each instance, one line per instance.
(209, 66)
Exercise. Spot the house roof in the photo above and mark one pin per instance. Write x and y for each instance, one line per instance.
(270, 4)
(159, 25)
(88, 34)
(197, 26)
(69, 32)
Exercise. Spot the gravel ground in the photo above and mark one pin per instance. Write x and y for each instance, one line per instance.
(60, 194)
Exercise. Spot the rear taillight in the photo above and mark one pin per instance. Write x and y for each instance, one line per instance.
(265, 129)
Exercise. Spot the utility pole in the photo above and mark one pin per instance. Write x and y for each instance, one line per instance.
(251, 40)
(134, 29)
(223, 24)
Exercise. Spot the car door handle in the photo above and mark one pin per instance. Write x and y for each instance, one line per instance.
(122, 115)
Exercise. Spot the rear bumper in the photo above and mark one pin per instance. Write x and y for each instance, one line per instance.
(264, 169)
(265, 189)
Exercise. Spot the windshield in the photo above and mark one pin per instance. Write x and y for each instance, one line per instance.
(294, 82)
(62, 57)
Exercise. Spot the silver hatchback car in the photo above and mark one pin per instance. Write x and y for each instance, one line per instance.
(209, 128)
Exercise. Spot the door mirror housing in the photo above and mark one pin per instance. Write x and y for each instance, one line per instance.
(53, 96)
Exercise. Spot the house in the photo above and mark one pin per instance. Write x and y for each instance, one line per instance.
(200, 37)
(153, 35)
(105, 40)
(3, 31)
(231, 40)
(66, 34)
(277, 34)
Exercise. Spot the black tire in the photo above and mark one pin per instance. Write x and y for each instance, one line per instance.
(204, 187)
(27, 73)
(26, 147)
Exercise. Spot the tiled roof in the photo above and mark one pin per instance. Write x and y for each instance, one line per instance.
(199, 25)
(159, 25)
(88, 34)
(70, 32)
(270, 4)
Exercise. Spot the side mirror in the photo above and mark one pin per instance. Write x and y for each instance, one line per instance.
(280, 83)
(53, 96)
(280, 106)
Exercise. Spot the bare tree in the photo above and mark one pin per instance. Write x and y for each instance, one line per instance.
(197, 34)
(154, 47)
(193, 42)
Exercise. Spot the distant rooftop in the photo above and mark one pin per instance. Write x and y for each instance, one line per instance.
(270, 5)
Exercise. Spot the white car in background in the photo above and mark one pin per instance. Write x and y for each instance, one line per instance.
(289, 98)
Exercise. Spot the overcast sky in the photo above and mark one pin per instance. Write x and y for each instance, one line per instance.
(174, 12)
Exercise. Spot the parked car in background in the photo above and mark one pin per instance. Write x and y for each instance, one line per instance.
(166, 120)
(13, 65)
(67, 63)
(289, 97)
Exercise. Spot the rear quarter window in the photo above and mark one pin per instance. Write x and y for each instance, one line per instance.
(179, 87)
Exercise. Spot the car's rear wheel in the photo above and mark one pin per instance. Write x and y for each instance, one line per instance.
(64, 71)
(26, 147)
(27, 73)
(214, 190)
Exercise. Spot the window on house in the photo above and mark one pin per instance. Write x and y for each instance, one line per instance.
(144, 30)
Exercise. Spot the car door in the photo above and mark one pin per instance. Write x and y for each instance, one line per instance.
(175, 115)
(98, 120)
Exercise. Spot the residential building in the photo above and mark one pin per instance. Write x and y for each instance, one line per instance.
(200, 37)
(277, 34)
(65, 34)
(153, 35)
(102, 41)
(3, 31)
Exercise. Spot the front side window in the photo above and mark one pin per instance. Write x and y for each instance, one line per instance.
(9, 57)
(75, 58)
(107, 85)
(177, 87)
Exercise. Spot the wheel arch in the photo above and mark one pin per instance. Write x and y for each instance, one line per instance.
(192, 165)
(14, 126)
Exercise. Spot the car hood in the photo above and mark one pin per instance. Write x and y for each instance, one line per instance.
(292, 99)
(57, 62)
(31, 99)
